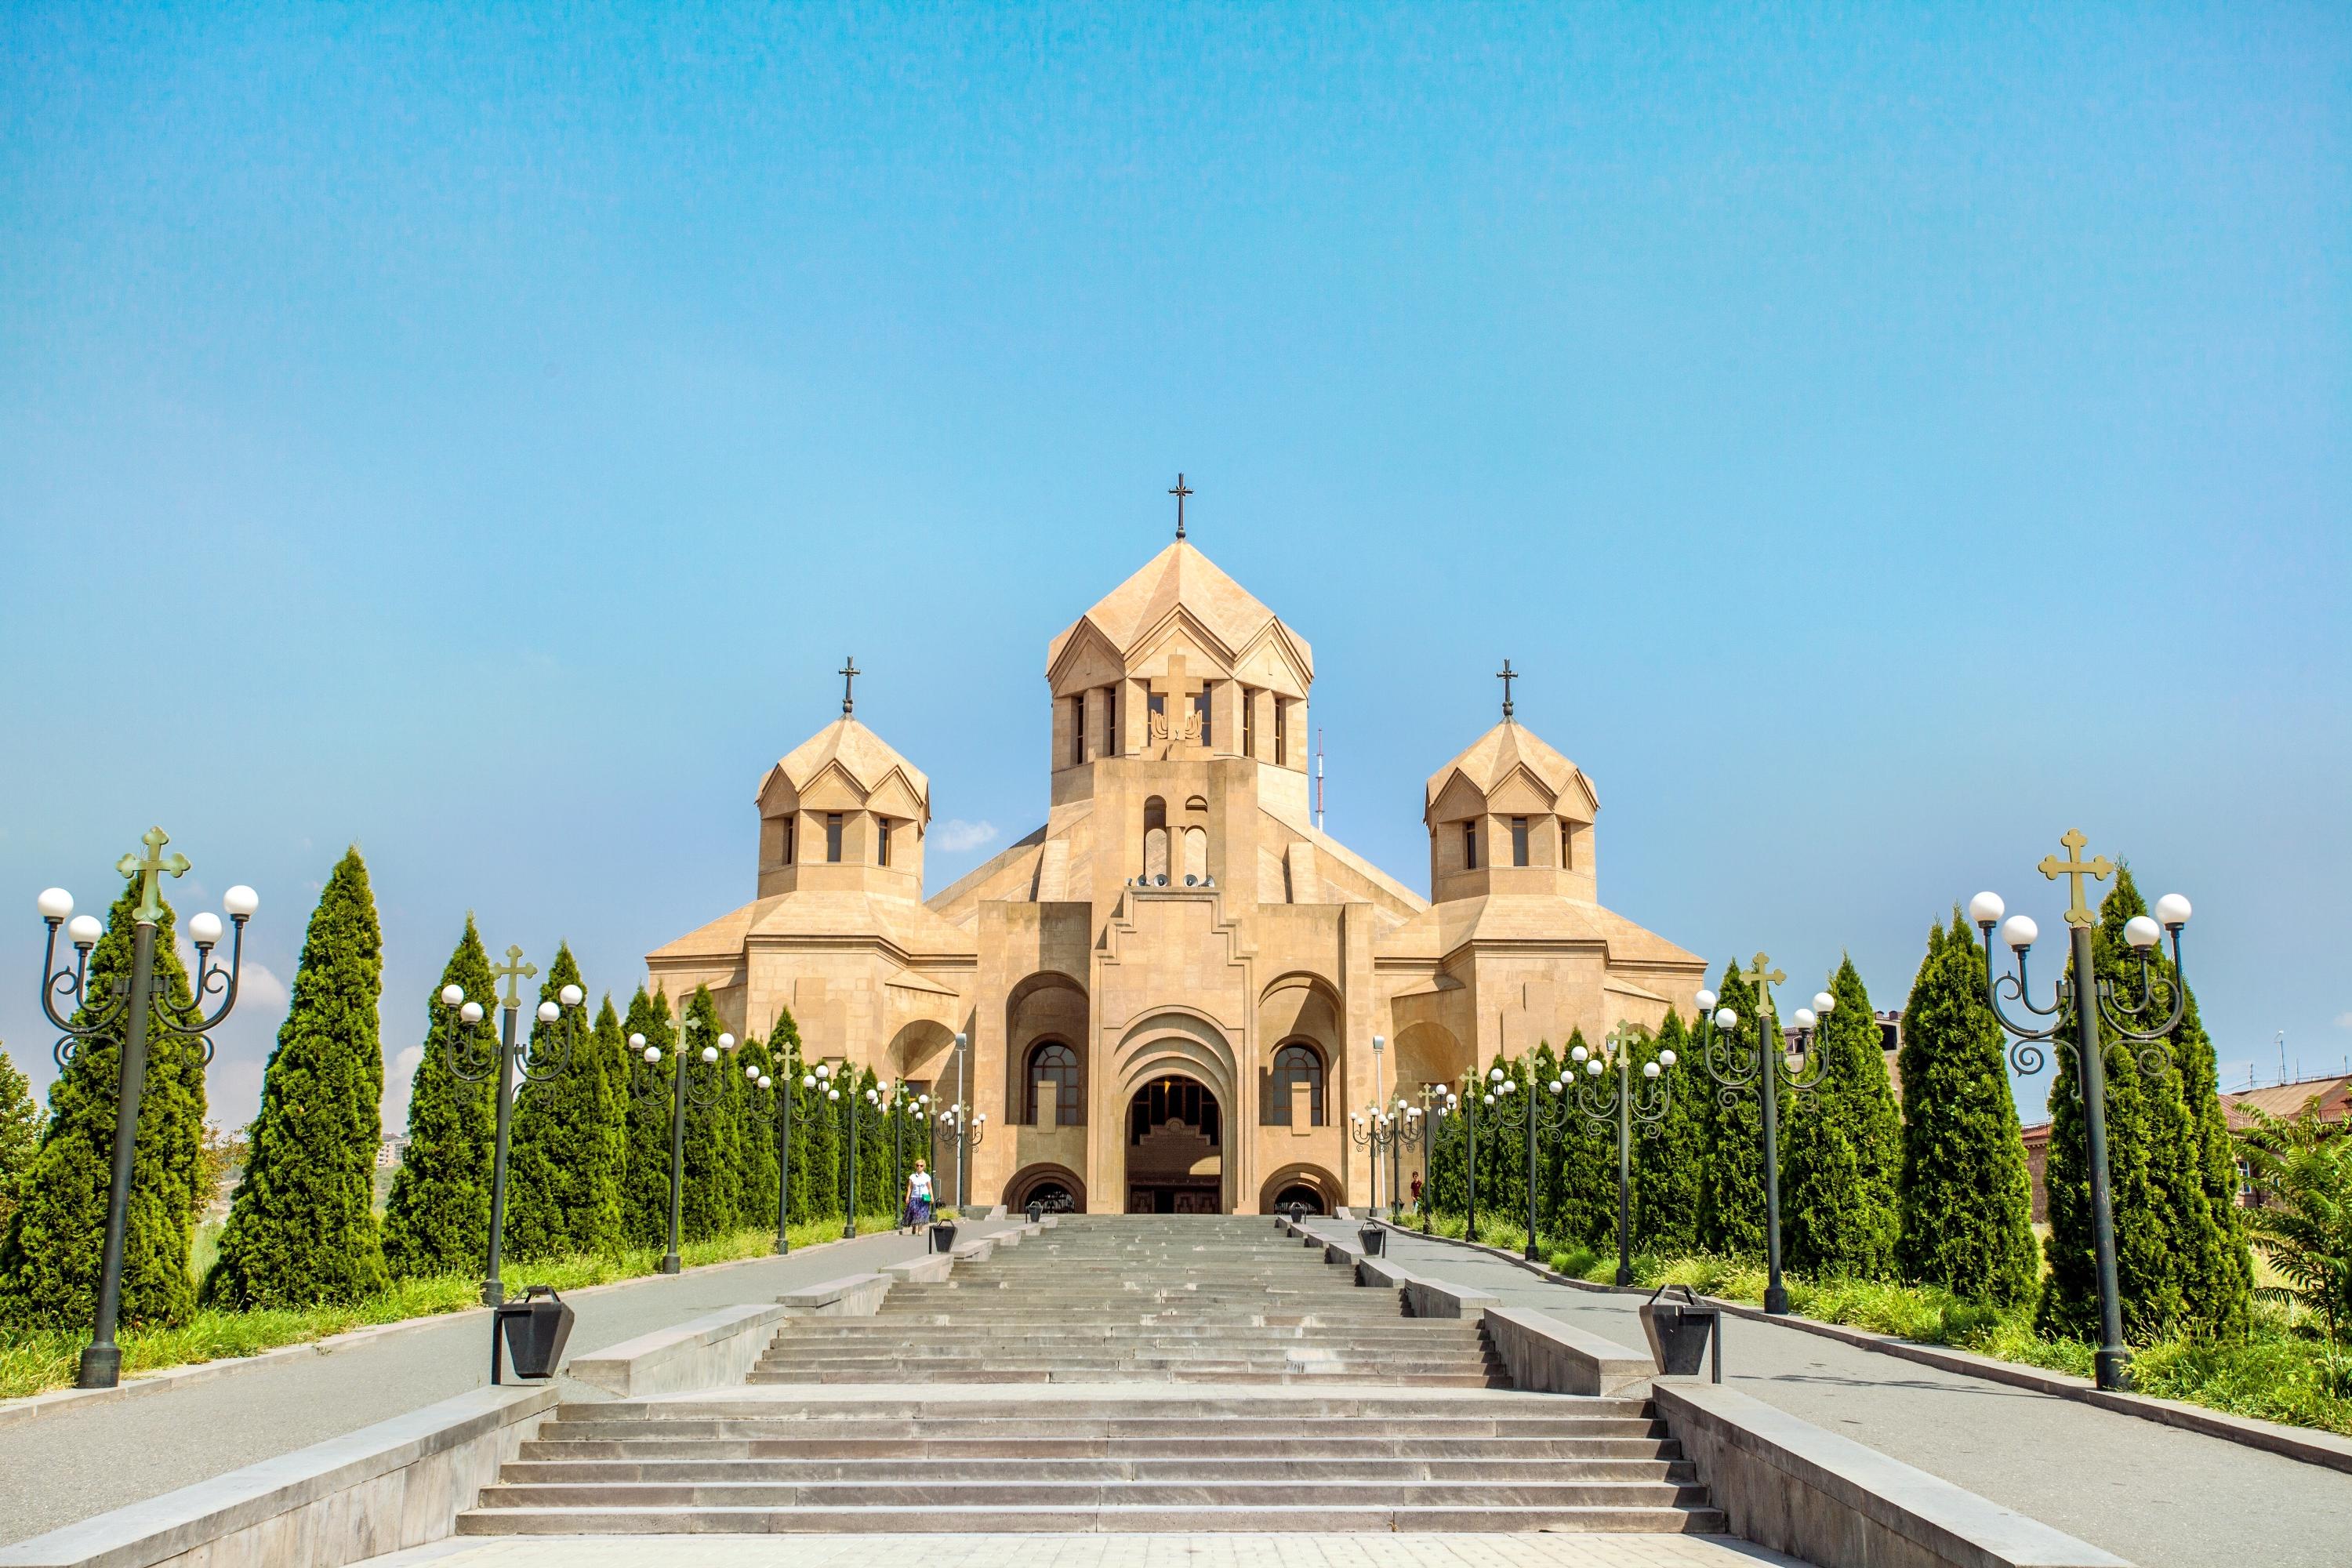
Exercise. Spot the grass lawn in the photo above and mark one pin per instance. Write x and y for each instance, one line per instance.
(33, 1360)
(2278, 1373)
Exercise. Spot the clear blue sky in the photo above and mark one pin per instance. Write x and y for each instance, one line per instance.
(1885, 439)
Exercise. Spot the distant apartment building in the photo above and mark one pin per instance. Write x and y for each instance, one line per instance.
(389, 1149)
(2334, 1096)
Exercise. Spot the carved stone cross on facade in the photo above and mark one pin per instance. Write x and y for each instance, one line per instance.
(145, 868)
(2078, 912)
(511, 970)
(1177, 723)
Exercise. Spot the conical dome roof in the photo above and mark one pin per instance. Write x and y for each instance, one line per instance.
(865, 757)
(1179, 578)
(1503, 750)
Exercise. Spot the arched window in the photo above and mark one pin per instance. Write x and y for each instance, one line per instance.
(1296, 1063)
(1053, 1086)
(1155, 841)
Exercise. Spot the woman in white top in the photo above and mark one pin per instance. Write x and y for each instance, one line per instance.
(918, 1210)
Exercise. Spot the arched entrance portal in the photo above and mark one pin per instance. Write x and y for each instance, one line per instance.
(1175, 1148)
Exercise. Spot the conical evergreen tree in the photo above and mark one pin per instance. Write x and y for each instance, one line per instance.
(49, 1259)
(564, 1160)
(759, 1122)
(20, 1137)
(302, 1228)
(874, 1194)
(1966, 1200)
(1446, 1188)
(820, 1114)
(2219, 1289)
(1588, 1157)
(1552, 1159)
(714, 1152)
(1502, 1148)
(645, 1165)
(438, 1220)
(1841, 1148)
(1667, 1164)
(1731, 1185)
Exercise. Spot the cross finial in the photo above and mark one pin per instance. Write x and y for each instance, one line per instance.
(1763, 977)
(145, 868)
(1507, 675)
(2078, 914)
(1180, 490)
(512, 970)
(848, 673)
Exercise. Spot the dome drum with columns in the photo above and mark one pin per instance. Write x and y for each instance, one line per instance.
(1170, 990)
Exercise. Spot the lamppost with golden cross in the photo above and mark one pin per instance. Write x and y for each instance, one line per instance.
(1767, 1070)
(1625, 1106)
(84, 1019)
(2082, 1002)
(468, 1061)
(684, 1084)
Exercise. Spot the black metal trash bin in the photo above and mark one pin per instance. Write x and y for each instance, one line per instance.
(1037, 1211)
(943, 1236)
(531, 1331)
(1680, 1332)
(1374, 1239)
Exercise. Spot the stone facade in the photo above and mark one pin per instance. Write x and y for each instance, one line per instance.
(1173, 992)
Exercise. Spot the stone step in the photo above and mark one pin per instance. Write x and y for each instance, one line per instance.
(1338, 1434)
(1550, 1450)
(1189, 1519)
(957, 1493)
(1393, 1413)
(965, 1374)
(919, 1473)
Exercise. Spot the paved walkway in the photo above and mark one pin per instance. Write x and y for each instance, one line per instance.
(1204, 1551)
(2154, 1494)
(61, 1469)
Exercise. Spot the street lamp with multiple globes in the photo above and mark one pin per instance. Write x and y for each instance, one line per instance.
(1379, 1127)
(473, 1061)
(963, 1128)
(2081, 1002)
(684, 1084)
(1443, 1106)
(1622, 1105)
(1768, 1069)
(128, 1009)
(901, 1102)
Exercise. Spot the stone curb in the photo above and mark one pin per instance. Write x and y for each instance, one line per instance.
(170, 1379)
(2302, 1444)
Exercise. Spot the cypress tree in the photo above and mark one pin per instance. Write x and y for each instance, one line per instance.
(563, 1165)
(1445, 1188)
(302, 1228)
(760, 1131)
(1841, 1154)
(714, 1152)
(1731, 1183)
(1588, 1159)
(645, 1165)
(874, 1196)
(438, 1220)
(20, 1137)
(827, 1182)
(2220, 1289)
(49, 1259)
(1502, 1147)
(1965, 1201)
(1551, 1150)
(1667, 1164)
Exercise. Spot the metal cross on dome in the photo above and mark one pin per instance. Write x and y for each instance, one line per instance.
(2078, 912)
(1507, 675)
(848, 673)
(1180, 490)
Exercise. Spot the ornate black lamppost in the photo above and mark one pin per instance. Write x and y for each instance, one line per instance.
(1396, 1129)
(963, 1128)
(2081, 1002)
(766, 1084)
(473, 1061)
(1622, 1104)
(1768, 1070)
(128, 1009)
(1445, 1107)
(686, 1083)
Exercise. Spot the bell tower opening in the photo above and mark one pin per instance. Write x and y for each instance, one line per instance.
(1175, 1149)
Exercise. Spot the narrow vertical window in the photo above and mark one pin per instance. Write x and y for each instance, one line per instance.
(1282, 733)
(1249, 723)
(832, 833)
(1201, 710)
(1518, 841)
(1078, 728)
(1110, 741)
(882, 841)
(790, 822)
(1567, 862)
(1470, 846)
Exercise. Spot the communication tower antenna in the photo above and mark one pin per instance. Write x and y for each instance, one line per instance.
(1318, 778)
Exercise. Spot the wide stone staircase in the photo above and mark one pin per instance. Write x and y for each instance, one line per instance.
(1262, 1391)
(1104, 1299)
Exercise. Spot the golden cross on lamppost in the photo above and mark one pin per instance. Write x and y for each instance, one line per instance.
(2075, 868)
(511, 970)
(147, 868)
(1763, 978)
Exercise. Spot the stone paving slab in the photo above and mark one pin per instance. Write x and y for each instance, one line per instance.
(1204, 1551)
(2154, 1495)
(71, 1464)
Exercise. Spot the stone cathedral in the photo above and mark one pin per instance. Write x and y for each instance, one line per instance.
(1173, 993)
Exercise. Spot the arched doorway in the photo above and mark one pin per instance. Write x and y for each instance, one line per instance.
(1056, 1188)
(1311, 1186)
(1298, 1193)
(1175, 1148)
